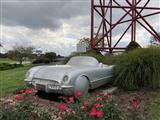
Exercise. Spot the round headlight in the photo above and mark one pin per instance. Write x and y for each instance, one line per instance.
(65, 79)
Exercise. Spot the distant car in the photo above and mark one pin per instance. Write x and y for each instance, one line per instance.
(80, 73)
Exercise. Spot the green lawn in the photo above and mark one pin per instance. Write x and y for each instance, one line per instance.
(154, 109)
(12, 79)
(6, 60)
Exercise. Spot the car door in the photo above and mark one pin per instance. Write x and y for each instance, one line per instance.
(101, 76)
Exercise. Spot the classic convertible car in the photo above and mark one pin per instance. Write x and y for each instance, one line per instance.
(80, 73)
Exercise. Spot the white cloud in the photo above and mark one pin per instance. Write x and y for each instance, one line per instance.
(44, 39)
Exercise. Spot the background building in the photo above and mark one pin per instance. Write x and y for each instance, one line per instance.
(83, 45)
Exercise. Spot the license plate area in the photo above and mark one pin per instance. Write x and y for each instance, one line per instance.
(55, 87)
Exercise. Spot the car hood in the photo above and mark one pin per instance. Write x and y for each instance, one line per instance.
(55, 72)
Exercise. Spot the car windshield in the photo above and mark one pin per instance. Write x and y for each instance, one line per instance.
(83, 60)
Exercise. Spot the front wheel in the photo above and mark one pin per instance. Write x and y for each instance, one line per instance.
(82, 85)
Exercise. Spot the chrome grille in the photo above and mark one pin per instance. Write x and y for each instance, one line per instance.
(45, 82)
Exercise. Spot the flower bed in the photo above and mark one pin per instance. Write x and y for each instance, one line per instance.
(98, 106)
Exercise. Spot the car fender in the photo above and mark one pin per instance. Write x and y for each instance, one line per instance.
(83, 75)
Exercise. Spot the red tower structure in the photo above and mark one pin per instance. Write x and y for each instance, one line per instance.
(102, 37)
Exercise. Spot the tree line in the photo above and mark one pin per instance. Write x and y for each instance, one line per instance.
(28, 53)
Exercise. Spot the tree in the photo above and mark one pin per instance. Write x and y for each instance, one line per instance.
(50, 56)
(132, 45)
(154, 41)
(19, 53)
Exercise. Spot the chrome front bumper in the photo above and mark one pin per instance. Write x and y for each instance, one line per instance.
(64, 89)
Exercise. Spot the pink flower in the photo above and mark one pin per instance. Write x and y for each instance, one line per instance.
(18, 97)
(28, 91)
(71, 100)
(63, 107)
(99, 113)
(86, 103)
(135, 103)
(93, 112)
(78, 93)
(20, 91)
(98, 105)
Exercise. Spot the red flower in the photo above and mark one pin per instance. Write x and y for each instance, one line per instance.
(18, 97)
(93, 112)
(20, 91)
(98, 105)
(63, 107)
(71, 100)
(99, 113)
(28, 91)
(78, 93)
(86, 103)
(136, 101)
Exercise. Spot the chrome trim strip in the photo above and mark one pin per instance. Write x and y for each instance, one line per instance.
(101, 78)
(65, 86)
(43, 79)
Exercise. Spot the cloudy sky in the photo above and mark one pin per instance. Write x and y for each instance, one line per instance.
(55, 25)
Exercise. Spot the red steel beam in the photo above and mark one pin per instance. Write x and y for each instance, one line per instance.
(115, 24)
(127, 7)
(122, 35)
(148, 15)
(141, 17)
(117, 48)
(139, 14)
(110, 47)
(135, 16)
(142, 24)
(92, 24)
(101, 23)
(101, 15)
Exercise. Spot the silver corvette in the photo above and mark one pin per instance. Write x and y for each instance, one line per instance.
(80, 73)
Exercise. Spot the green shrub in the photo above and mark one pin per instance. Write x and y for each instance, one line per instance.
(50, 56)
(41, 60)
(110, 59)
(132, 45)
(7, 66)
(138, 68)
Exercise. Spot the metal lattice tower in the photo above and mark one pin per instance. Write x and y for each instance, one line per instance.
(102, 38)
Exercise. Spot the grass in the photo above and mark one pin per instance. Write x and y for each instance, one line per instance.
(154, 110)
(6, 60)
(12, 79)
